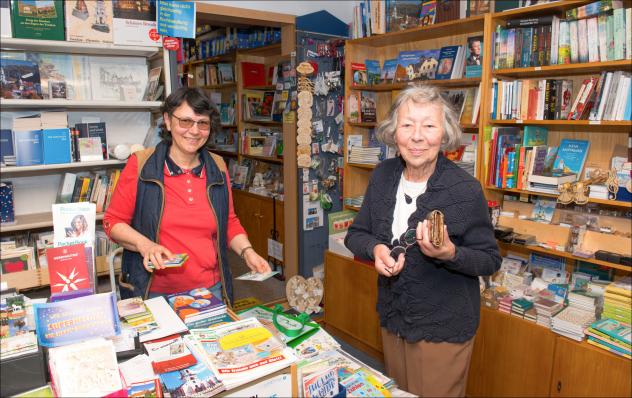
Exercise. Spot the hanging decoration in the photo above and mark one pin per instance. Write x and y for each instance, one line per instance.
(305, 89)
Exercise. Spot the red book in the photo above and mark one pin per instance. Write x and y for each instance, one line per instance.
(253, 74)
(67, 268)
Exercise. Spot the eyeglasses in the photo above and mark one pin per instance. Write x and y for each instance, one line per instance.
(407, 239)
(203, 125)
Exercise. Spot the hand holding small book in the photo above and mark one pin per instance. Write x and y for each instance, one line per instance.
(154, 256)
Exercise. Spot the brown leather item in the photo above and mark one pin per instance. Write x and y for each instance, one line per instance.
(435, 227)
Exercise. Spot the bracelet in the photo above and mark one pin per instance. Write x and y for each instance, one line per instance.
(243, 251)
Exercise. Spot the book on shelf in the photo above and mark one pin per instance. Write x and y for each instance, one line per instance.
(388, 70)
(28, 147)
(20, 79)
(373, 71)
(225, 73)
(368, 107)
(474, 56)
(42, 20)
(74, 223)
(7, 203)
(450, 63)
(571, 156)
(417, 64)
(16, 259)
(89, 21)
(134, 24)
(354, 107)
(253, 74)
(118, 78)
(153, 82)
(94, 130)
(56, 74)
(428, 12)
(7, 151)
(90, 149)
(56, 146)
(543, 210)
(456, 97)
(402, 15)
(359, 73)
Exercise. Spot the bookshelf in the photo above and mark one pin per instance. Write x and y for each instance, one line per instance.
(256, 211)
(505, 360)
(36, 187)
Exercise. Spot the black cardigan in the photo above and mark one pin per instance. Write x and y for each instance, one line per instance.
(429, 300)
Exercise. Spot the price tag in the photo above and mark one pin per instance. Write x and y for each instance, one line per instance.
(594, 122)
(519, 121)
(538, 68)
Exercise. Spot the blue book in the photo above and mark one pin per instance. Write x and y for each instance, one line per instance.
(56, 146)
(627, 114)
(28, 147)
(373, 71)
(571, 156)
(7, 213)
(408, 65)
(447, 61)
(6, 144)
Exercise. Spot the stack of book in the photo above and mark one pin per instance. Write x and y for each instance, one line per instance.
(618, 300)
(505, 304)
(365, 155)
(136, 315)
(571, 322)
(16, 339)
(610, 335)
(546, 309)
(198, 308)
(520, 306)
(585, 301)
(531, 315)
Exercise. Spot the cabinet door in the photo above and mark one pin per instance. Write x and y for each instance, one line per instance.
(350, 297)
(511, 357)
(581, 370)
(248, 211)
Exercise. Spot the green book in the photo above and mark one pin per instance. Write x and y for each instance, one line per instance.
(535, 135)
(38, 19)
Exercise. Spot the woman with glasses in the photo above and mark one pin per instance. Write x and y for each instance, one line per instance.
(428, 296)
(176, 198)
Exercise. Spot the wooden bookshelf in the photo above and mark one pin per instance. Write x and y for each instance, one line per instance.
(613, 203)
(268, 159)
(464, 82)
(564, 70)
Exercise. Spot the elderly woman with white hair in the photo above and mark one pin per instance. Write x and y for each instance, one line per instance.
(428, 290)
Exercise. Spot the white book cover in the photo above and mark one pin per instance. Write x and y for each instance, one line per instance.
(74, 223)
(593, 39)
(81, 78)
(572, 25)
(135, 23)
(86, 369)
(5, 19)
(89, 21)
(118, 78)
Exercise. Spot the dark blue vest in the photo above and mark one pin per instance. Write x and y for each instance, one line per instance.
(148, 215)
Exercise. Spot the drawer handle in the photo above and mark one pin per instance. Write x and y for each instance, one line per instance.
(559, 386)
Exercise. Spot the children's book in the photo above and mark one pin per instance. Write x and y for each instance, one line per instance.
(571, 156)
(428, 12)
(373, 71)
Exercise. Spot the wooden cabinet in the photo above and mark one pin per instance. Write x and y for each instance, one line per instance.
(514, 357)
(350, 297)
(581, 370)
(511, 357)
(256, 216)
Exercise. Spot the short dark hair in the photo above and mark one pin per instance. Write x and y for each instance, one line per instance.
(199, 101)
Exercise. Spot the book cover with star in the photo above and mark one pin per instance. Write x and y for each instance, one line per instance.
(68, 269)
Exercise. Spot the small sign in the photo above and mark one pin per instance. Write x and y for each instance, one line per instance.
(171, 43)
(176, 18)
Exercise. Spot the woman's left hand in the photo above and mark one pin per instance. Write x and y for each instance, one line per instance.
(256, 263)
(445, 252)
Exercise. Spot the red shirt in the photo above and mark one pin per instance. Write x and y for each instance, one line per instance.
(188, 225)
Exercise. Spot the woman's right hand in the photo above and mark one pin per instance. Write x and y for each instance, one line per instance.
(155, 253)
(384, 263)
